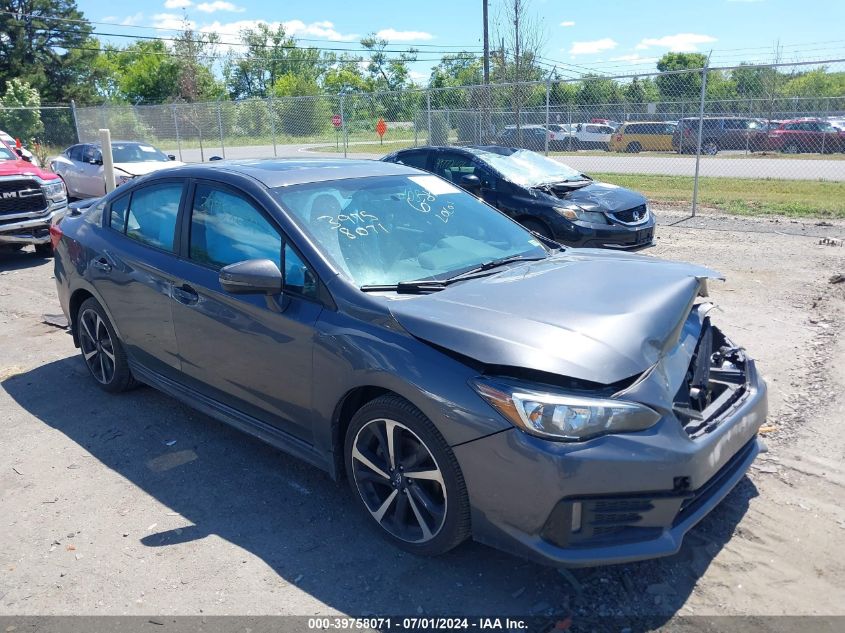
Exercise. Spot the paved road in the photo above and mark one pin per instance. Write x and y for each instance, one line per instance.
(670, 164)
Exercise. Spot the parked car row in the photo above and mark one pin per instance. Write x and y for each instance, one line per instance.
(792, 136)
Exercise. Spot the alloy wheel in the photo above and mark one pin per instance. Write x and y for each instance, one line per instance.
(399, 480)
(97, 346)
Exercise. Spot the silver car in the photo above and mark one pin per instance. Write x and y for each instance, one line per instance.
(81, 166)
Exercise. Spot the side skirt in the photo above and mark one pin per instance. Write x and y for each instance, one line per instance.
(226, 414)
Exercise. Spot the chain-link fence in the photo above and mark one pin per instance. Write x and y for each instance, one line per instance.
(725, 129)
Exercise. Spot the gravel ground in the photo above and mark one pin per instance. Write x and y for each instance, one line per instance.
(135, 504)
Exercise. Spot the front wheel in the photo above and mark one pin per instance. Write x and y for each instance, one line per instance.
(711, 148)
(101, 350)
(406, 478)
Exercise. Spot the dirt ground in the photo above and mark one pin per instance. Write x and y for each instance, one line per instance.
(135, 504)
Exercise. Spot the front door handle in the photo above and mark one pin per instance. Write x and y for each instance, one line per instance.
(102, 264)
(185, 294)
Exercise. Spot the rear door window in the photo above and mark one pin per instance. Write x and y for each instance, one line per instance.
(151, 218)
(418, 159)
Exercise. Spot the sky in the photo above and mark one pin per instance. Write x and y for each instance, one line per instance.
(617, 37)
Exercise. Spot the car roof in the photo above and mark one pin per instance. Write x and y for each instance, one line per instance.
(638, 122)
(280, 172)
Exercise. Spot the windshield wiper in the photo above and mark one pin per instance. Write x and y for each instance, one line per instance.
(433, 285)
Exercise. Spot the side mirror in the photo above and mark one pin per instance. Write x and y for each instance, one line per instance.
(214, 158)
(252, 276)
(96, 161)
(471, 183)
(171, 156)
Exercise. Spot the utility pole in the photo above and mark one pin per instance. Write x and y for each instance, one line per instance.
(486, 44)
(516, 12)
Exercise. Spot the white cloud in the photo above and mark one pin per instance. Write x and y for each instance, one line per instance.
(634, 58)
(593, 47)
(392, 35)
(680, 42)
(746, 1)
(171, 21)
(218, 5)
(177, 4)
(296, 28)
(567, 23)
(132, 20)
(417, 77)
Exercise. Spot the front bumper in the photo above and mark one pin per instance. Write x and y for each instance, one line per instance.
(32, 230)
(628, 496)
(616, 236)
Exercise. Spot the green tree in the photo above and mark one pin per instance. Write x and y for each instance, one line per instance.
(47, 44)
(345, 75)
(148, 73)
(193, 51)
(385, 72)
(460, 69)
(301, 109)
(270, 53)
(24, 123)
(678, 86)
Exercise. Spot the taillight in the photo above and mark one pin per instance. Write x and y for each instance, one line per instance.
(55, 235)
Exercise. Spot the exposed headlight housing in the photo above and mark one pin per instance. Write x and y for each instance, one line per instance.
(561, 416)
(54, 190)
(576, 213)
(122, 179)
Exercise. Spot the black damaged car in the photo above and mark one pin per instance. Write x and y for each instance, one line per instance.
(545, 196)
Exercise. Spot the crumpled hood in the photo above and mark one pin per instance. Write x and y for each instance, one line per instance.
(142, 169)
(601, 196)
(585, 314)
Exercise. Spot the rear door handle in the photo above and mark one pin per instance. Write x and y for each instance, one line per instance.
(102, 264)
(185, 294)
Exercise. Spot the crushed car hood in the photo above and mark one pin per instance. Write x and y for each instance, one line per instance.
(142, 169)
(600, 196)
(585, 314)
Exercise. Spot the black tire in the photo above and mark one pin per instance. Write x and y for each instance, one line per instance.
(398, 503)
(710, 148)
(107, 361)
(537, 227)
(44, 250)
(634, 148)
(791, 148)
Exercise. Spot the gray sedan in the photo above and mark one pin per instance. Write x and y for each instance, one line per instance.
(468, 377)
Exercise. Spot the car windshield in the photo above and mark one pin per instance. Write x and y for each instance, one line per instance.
(136, 153)
(384, 230)
(528, 168)
(6, 153)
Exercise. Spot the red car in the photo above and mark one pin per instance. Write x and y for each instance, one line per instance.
(805, 135)
(31, 200)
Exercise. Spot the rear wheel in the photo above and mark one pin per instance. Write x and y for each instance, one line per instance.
(101, 350)
(537, 227)
(633, 148)
(791, 148)
(711, 148)
(406, 478)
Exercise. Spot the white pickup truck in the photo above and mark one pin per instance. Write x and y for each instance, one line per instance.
(574, 136)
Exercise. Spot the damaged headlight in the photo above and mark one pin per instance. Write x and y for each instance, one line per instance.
(562, 416)
(576, 213)
(121, 179)
(54, 190)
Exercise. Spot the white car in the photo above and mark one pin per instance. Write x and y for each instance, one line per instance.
(24, 152)
(571, 137)
(81, 166)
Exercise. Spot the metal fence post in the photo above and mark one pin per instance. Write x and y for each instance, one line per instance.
(343, 124)
(75, 120)
(176, 127)
(548, 93)
(220, 127)
(271, 109)
(428, 109)
(700, 133)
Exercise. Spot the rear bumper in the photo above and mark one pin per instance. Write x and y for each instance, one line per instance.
(34, 230)
(615, 499)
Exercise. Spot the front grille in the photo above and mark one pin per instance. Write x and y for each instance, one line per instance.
(637, 215)
(21, 196)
